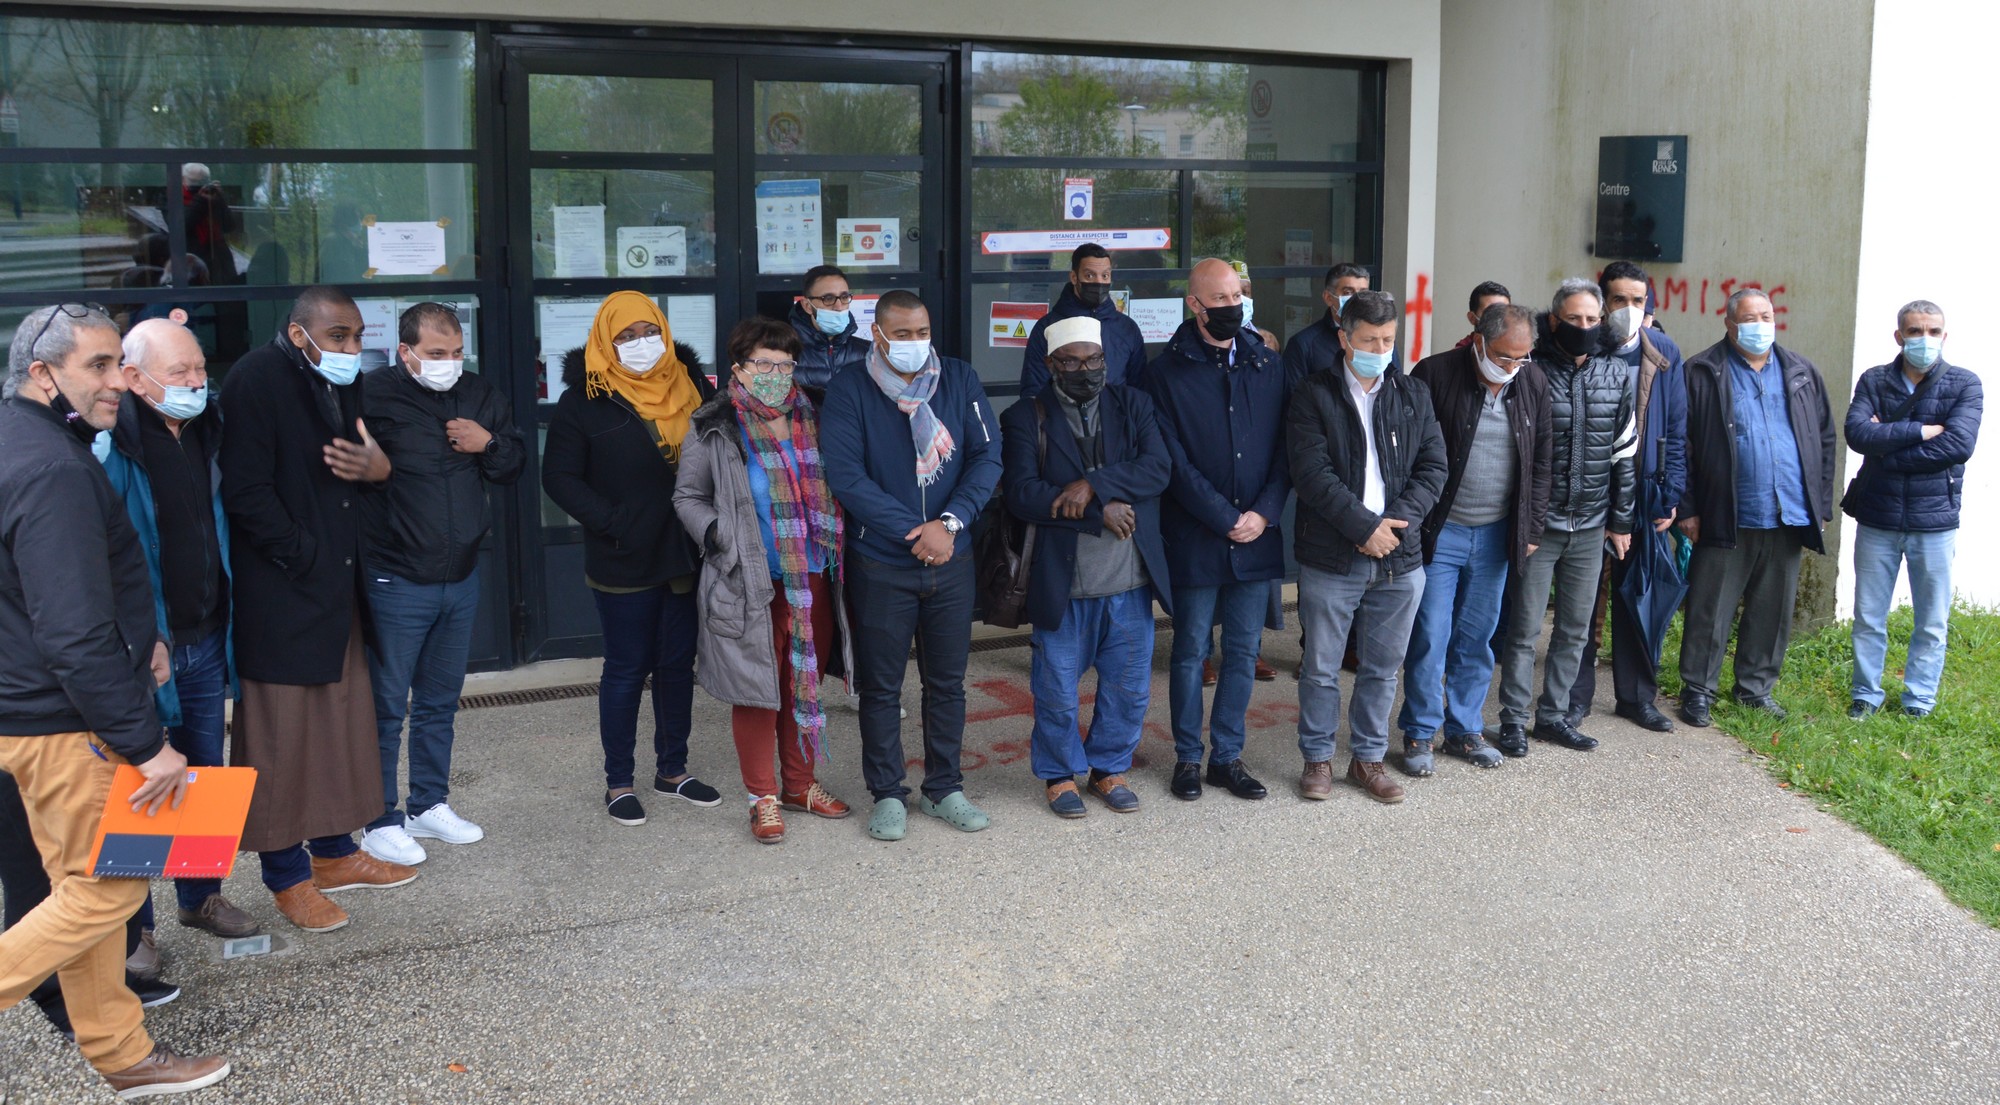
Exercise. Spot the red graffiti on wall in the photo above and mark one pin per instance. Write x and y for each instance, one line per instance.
(1418, 309)
(1682, 295)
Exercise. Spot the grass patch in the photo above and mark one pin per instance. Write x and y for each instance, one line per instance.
(1928, 789)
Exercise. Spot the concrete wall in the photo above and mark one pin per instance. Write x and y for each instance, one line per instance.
(1774, 101)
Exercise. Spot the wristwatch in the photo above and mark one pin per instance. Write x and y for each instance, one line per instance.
(951, 523)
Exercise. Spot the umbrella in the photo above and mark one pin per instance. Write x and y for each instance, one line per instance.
(1653, 587)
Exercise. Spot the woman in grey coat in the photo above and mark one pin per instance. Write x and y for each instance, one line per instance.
(773, 616)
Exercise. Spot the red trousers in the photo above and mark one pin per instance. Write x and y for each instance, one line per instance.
(758, 730)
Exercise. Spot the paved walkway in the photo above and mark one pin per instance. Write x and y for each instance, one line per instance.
(1654, 921)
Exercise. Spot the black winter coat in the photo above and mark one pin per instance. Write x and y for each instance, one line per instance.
(1906, 483)
(1711, 485)
(601, 467)
(427, 524)
(1326, 447)
(1593, 476)
(822, 356)
(296, 543)
(1458, 395)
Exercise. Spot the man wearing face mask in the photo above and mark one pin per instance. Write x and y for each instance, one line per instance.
(1761, 454)
(1220, 398)
(299, 464)
(1318, 346)
(1593, 435)
(1087, 295)
(1085, 462)
(912, 452)
(449, 436)
(1914, 421)
(830, 340)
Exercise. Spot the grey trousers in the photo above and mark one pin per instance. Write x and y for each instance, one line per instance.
(1571, 562)
(1380, 607)
(1762, 572)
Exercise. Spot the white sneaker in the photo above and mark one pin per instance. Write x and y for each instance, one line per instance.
(391, 844)
(441, 822)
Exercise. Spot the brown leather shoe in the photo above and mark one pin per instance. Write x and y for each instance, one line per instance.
(217, 916)
(1374, 779)
(144, 962)
(1264, 672)
(816, 801)
(303, 905)
(1316, 782)
(359, 871)
(164, 1072)
(1208, 673)
(767, 825)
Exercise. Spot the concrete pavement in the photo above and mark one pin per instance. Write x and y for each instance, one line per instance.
(1653, 921)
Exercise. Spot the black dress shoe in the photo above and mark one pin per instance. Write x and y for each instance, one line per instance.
(1857, 709)
(1765, 703)
(1187, 781)
(1645, 715)
(1238, 781)
(1565, 734)
(1694, 709)
(1512, 741)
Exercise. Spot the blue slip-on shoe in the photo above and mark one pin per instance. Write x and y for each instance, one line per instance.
(1114, 791)
(889, 819)
(1064, 801)
(1472, 748)
(956, 810)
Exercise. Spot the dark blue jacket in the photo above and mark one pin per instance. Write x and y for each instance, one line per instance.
(1906, 483)
(823, 356)
(1226, 435)
(871, 461)
(1124, 346)
(1135, 470)
(1711, 486)
(1663, 433)
(1311, 349)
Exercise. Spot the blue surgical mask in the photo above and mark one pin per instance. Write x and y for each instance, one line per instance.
(1756, 338)
(1922, 351)
(832, 322)
(180, 404)
(340, 369)
(1340, 304)
(1369, 365)
(1249, 312)
(909, 357)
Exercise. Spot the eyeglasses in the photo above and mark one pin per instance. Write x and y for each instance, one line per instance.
(838, 299)
(758, 366)
(1074, 364)
(1512, 364)
(73, 310)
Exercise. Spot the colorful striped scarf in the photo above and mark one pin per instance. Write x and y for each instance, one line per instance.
(803, 515)
(913, 397)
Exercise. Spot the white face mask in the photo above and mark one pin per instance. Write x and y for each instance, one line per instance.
(1493, 373)
(1625, 322)
(909, 357)
(640, 354)
(1249, 312)
(439, 375)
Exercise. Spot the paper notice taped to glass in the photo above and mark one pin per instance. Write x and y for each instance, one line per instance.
(788, 226)
(565, 325)
(405, 249)
(692, 319)
(579, 241)
(652, 251)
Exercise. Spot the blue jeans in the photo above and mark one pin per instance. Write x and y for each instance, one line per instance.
(1114, 635)
(1449, 667)
(201, 680)
(423, 634)
(1878, 555)
(1381, 606)
(649, 632)
(1240, 608)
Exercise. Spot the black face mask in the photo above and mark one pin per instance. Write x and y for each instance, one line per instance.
(1578, 341)
(71, 417)
(1224, 323)
(1081, 386)
(1093, 295)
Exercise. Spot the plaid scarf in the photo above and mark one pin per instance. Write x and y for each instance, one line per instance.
(913, 398)
(803, 515)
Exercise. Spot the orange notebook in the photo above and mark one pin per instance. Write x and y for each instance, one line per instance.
(197, 841)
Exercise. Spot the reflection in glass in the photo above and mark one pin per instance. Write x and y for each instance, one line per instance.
(867, 195)
(1031, 199)
(1271, 219)
(83, 226)
(801, 117)
(575, 112)
(631, 198)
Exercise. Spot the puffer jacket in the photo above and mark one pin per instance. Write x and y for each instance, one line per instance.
(1328, 455)
(822, 356)
(1593, 480)
(1908, 484)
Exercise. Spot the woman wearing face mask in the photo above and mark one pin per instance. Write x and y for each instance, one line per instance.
(772, 615)
(613, 454)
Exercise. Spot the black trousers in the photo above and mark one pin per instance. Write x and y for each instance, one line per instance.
(892, 607)
(1634, 681)
(24, 883)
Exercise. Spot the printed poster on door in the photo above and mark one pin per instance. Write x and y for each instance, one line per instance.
(860, 243)
(1010, 323)
(1078, 199)
(788, 226)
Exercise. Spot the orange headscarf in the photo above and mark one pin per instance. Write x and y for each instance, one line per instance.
(664, 396)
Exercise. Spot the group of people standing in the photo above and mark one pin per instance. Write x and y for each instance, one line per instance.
(808, 513)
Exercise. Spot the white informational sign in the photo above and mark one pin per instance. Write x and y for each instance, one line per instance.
(652, 251)
(1009, 325)
(405, 249)
(565, 325)
(1062, 241)
(692, 319)
(1078, 204)
(788, 226)
(378, 324)
(864, 242)
(1157, 318)
(579, 241)
(1299, 246)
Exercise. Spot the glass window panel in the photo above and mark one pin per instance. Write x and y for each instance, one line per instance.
(633, 199)
(805, 117)
(104, 84)
(83, 226)
(620, 114)
(1031, 199)
(999, 365)
(553, 516)
(867, 195)
(1272, 219)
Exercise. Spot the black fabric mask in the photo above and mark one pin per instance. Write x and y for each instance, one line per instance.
(84, 431)
(1081, 386)
(1093, 295)
(1578, 341)
(1224, 323)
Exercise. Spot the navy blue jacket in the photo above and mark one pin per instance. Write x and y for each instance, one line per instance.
(823, 356)
(1135, 470)
(1311, 349)
(1906, 483)
(1663, 434)
(1226, 435)
(871, 461)
(1124, 346)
